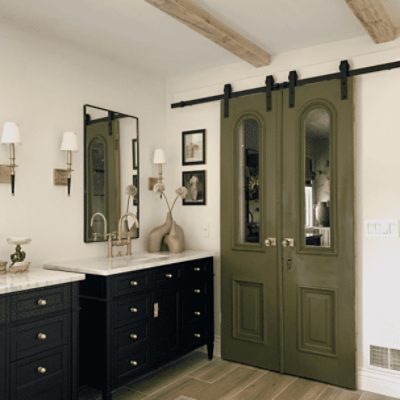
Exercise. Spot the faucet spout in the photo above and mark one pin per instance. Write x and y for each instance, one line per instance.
(99, 214)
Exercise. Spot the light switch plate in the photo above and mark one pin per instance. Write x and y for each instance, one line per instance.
(382, 228)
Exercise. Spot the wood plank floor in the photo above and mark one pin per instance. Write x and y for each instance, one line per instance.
(195, 378)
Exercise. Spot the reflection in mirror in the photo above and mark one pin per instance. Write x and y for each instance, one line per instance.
(249, 190)
(111, 165)
(317, 190)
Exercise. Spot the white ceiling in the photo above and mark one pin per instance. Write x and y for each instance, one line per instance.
(137, 33)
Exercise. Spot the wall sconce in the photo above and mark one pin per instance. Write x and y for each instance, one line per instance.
(11, 137)
(69, 144)
(159, 160)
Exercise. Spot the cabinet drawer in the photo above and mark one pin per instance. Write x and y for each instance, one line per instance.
(40, 302)
(53, 389)
(38, 372)
(195, 333)
(167, 276)
(32, 338)
(195, 290)
(194, 311)
(131, 364)
(129, 336)
(130, 283)
(198, 269)
(131, 309)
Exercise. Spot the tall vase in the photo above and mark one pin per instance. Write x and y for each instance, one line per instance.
(175, 239)
(157, 234)
(322, 213)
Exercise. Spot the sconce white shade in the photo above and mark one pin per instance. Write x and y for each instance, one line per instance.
(69, 142)
(10, 133)
(159, 156)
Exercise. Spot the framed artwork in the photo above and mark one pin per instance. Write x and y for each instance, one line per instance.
(134, 153)
(194, 147)
(195, 183)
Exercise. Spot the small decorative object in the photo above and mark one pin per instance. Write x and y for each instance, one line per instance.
(11, 136)
(69, 144)
(195, 183)
(322, 213)
(131, 191)
(3, 267)
(18, 263)
(194, 147)
(170, 232)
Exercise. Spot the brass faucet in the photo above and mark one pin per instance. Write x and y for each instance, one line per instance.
(106, 235)
(122, 241)
(99, 214)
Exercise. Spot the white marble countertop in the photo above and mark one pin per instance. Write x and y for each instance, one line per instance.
(117, 265)
(35, 278)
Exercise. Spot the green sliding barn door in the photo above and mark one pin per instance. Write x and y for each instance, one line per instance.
(290, 307)
(250, 328)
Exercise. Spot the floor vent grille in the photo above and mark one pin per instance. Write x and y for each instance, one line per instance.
(384, 357)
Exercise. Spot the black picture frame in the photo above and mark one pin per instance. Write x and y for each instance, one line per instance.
(200, 181)
(199, 158)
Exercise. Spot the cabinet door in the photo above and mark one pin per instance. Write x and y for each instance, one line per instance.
(164, 324)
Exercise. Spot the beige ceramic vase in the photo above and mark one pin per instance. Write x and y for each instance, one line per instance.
(175, 240)
(157, 234)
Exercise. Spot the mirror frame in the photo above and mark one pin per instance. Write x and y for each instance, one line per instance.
(85, 183)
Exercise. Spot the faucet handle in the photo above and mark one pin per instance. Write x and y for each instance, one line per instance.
(111, 235)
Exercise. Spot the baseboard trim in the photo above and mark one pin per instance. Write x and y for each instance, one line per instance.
(379, 381)
(217, 347)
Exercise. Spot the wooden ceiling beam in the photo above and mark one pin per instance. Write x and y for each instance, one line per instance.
(201, 21)
(373, 16)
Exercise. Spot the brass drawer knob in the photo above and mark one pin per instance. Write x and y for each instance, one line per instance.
(134, 283)
(197, 269)
(42, 302)
(41, 370)
(197, 335)
(197, 291)
(197, 313)
(169, 276)
(133, 336)
(133, 363)
(41, 336)
(133, 310)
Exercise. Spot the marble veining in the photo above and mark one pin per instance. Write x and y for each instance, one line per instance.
(118, 265)
(35, 278)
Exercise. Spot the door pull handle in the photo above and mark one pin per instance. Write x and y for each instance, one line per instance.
(288, 242)
(270, 242)
(289, 264)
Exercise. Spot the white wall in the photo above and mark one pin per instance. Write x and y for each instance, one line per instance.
(377, 140)
(44, 86)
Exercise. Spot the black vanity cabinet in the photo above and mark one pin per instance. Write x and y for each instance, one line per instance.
(134, 322)
(39, 344)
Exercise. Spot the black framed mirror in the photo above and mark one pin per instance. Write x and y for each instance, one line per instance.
(111, 176)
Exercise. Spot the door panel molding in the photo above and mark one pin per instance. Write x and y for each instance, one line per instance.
(236, 244)
(248, 310)
(317, 327)
(302, 248)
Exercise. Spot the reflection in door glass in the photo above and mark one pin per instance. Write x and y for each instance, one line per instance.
(249, 187)
(317, 190)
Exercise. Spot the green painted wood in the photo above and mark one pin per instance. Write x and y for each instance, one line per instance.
(250, 328)
(108, 202)
(319, 302)
(290, 309)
